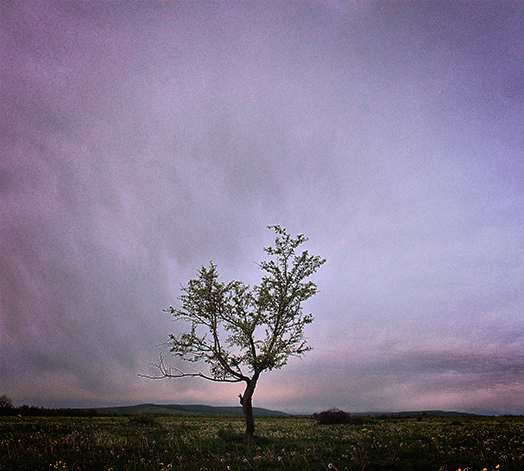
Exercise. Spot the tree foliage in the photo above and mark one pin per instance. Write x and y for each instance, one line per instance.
(239, 331)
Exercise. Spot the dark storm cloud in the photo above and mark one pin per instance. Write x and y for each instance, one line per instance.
(141, 141)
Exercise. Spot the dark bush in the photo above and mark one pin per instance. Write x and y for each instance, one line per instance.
(337, 416)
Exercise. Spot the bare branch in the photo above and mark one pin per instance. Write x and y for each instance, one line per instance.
(172, 372)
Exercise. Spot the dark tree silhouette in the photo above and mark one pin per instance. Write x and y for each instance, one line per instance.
(6, 402)
(241, 332)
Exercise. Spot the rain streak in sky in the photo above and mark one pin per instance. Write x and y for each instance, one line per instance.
(140, 140)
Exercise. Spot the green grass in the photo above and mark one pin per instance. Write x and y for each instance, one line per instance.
(283, 443)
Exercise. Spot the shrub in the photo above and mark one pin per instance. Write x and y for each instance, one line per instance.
(337, 416)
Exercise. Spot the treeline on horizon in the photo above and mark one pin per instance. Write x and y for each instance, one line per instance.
(34, 411)
(8, 409)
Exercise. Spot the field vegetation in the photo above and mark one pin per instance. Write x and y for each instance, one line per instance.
(161, 443)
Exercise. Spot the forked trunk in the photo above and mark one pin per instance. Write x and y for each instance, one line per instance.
(247, 407)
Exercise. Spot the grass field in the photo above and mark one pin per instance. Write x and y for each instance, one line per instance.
(286, 443)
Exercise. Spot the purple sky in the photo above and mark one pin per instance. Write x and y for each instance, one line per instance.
(141, 140)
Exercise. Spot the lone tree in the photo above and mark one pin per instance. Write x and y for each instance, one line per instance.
(241, 332)
(6, 402)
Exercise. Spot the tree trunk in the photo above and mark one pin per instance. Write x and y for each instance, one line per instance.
(247, 406)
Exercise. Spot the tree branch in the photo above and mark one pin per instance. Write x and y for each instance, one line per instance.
(171, 372)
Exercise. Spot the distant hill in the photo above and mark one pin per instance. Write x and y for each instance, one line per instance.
(180, 409)
(196, 409)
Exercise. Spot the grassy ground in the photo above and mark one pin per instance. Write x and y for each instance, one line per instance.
(216, 443)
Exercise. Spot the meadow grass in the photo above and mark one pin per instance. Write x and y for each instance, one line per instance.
(284, 443)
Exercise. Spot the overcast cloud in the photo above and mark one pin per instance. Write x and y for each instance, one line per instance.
(141, 140)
